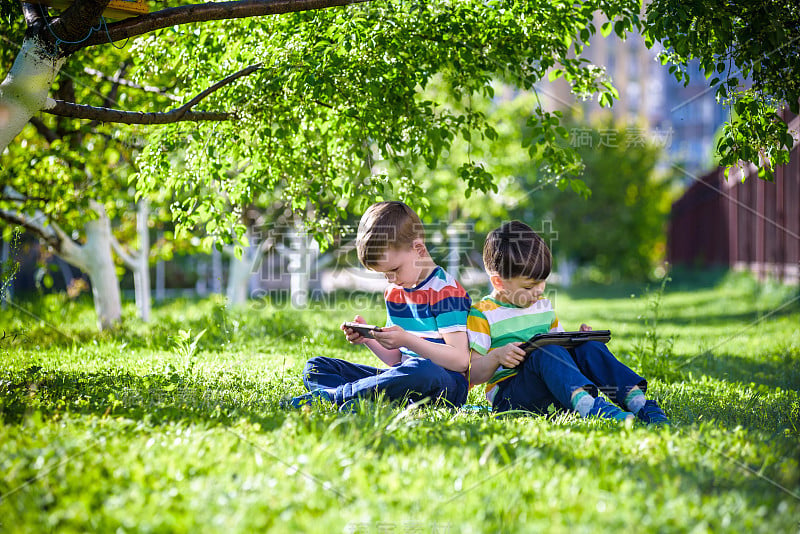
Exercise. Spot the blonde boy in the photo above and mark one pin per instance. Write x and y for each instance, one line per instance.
(424, 342)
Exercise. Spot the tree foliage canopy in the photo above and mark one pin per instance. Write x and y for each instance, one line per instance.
(339, 102)
(614, 232)
(749, 50)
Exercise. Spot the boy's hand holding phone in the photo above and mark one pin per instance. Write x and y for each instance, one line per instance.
(509, 355)
(357, 335)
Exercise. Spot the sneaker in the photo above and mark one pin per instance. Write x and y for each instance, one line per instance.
(652, 414)
(318, 395)
(605, 410)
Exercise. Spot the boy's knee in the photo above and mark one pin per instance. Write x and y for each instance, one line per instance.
(420, 372)
(593, 346)
(312, 366)
(550, 351)
(590, 349)
(419, 366)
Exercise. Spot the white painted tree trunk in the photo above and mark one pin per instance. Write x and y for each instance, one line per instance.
(138, 261)
(242, 271)
(238, 277)
(141, 274)
(24, 91)
(161, 277)
(102, 273)
(453, 251)
(302, 258)
(216, 271)
(298, 270)
(201, 287)
(94, 258)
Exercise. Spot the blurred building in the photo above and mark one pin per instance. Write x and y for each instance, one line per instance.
(681, 119)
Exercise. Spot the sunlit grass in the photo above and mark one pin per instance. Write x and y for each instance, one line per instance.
(126, 430)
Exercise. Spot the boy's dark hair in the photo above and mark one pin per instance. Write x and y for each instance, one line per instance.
(386, 225)
(515, 250)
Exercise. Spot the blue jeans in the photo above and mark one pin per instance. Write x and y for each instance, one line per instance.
(411, 380)
(550, 375)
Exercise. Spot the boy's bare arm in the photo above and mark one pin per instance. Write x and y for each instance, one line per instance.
(484, 366)
(388, 356)
(453, 354)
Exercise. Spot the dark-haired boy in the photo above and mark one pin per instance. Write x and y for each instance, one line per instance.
(424, 342)
(518, 262)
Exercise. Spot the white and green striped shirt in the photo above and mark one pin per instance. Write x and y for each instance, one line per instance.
(492, 324)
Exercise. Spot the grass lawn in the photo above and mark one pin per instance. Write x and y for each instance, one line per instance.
(142, 429)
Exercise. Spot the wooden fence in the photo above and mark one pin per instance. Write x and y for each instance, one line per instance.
(752, 225)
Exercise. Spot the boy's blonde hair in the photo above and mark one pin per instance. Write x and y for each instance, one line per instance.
(386, 225)
(514, 250)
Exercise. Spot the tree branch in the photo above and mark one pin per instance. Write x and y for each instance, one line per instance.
(167, 18)
(26, 199)
(73, 23)
(222, 83)
(51, 233)
(43, 130)
(127, 83)
(33, 17)
(183, 113)
(45, 233)
(111, 97)
(68, 109)
(128, 259)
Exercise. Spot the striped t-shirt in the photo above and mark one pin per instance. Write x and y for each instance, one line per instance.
(492, 324)
(437, 306)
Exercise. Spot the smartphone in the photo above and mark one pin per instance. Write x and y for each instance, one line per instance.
(363, 329)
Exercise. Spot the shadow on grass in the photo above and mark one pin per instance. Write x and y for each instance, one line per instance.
(731, 321)
(169, 398)
(56, 321)
(155, 398)
(778, 371)
(735, 320)
(781, 372)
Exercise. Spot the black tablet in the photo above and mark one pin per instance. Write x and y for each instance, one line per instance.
(565, 339)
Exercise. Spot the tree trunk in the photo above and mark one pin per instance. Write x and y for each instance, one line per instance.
(302, 258)
(453, 250)
(238, 277)
(141, 274)
(161, 277)
(24, 91)
(241, 271)
(66, 272)
(102, 273)
(216, 271)
(201, 287)
(94, 258)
